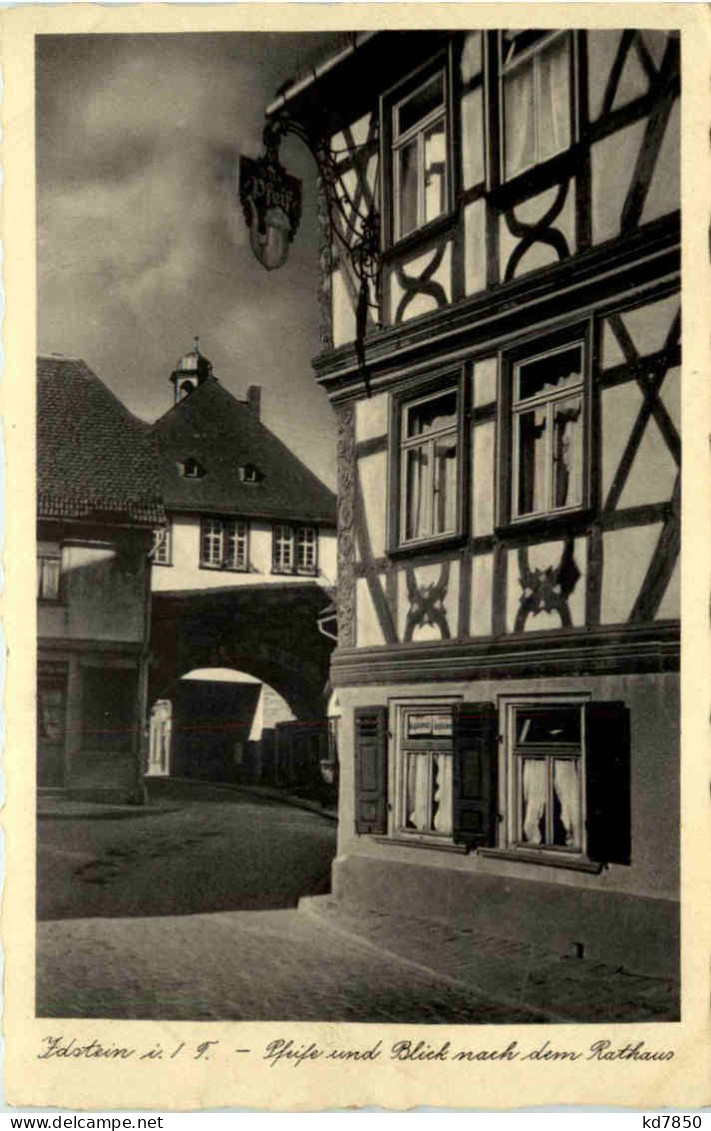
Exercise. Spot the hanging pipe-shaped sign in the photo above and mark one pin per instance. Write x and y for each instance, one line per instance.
(271, 201)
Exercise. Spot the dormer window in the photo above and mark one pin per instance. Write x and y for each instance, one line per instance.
(249, 473)
(191, 469)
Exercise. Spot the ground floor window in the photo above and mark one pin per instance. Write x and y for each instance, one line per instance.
(424, 769)
(540, 779)
(546, 751)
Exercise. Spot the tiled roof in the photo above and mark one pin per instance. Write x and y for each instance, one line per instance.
(94, 459)
(224, 434)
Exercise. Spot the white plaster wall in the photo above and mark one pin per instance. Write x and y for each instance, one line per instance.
(484, 381)
(373, 471)
(371, 417)
(368, 631)
(102, 594)
(483, 478)
(343, 315)
(185, 572)
(475, 247)
(473, 137)
(613, 160)
(482, 595)
(626, 557)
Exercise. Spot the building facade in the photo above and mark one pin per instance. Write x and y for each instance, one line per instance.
(507, 387)
(241, 509)
(242, 569)
(98, 502)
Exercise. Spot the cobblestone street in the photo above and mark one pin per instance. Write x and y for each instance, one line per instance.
(249, 965)
(188, 913)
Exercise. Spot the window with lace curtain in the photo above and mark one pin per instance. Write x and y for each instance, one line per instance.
(419, 142)
(546, 742)
(425, 763)
(535, 70)
(429, 467)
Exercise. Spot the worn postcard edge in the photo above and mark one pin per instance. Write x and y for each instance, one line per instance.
(228, 1082)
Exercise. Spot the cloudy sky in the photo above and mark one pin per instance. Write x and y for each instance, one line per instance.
(141, 238)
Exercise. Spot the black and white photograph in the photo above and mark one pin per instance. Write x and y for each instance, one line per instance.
(358, 526)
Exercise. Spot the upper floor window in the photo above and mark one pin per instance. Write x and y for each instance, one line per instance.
(549, 442)
(535, 69)
(224, 544)
(49, 568)
(419, 143)
(306, 549)
(295, 549)
(429, 466)
(162, 545)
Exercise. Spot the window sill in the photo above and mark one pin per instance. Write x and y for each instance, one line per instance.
(295, 573)
(224, 569)
(412, 842)
(402, 244)
(169, 564)
(426, 546)
(543, 523)
(549, 859)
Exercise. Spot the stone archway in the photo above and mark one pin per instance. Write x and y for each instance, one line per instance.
(270, 632)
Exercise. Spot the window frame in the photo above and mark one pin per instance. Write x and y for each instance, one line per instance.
(530, 55)
(294, 568)
(226, 523)
(513, 843)
(397, 783)
(533, 348)
(165, 544)
(390, 101)
(434, 385)
(47, 554)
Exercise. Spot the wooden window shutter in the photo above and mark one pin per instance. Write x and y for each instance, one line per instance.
(474, 775)
(607, 781)
(371, 769)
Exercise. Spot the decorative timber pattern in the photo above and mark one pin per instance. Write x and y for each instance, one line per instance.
(613, 170)
(547, 590)
(426, 603)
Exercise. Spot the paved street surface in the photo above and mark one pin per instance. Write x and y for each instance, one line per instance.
(246, 965)
(220, 850)
(188, 913)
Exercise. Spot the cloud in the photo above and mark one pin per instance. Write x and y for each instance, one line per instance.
(141, 239)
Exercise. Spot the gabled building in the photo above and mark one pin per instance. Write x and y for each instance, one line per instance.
(241, 508)
(242, 571)
(98, 502)
(500, 321)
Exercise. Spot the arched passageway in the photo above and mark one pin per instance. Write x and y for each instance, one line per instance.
(216, 724)
(268, 633)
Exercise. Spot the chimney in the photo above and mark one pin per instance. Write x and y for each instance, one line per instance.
(254, 399)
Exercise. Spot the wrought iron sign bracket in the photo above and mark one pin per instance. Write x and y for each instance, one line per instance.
(357, 229)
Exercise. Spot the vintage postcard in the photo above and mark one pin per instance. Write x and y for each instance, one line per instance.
(357, 691)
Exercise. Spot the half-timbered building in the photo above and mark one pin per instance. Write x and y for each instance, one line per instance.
(500, 327)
